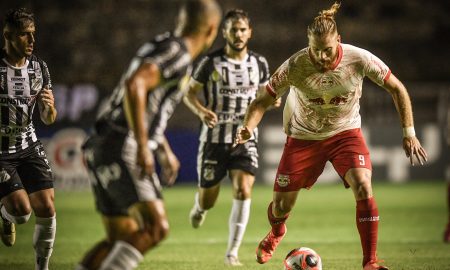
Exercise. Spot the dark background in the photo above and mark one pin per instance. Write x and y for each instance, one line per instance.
(88, 44)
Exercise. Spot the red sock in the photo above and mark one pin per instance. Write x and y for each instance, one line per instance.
(448, 205)
(367, 222)
(276, 223)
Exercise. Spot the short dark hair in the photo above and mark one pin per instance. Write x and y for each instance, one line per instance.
(18, 18)
(236, 14)
(195, 14)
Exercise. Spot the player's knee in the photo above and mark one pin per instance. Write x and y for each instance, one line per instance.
(243, 193)
(45, 209)
(281, 209)
(363, 190)
(158, 231)
(20, 219)
(163, 230)
(20, 209)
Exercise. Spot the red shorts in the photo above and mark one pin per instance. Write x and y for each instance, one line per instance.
(303, 161)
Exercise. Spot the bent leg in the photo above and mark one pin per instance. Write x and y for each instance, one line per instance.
(240, 212)
(204, 200)
(117, 228)
(42, 203)
(15, 207)
(277, 213)
(367, 217)
(447, 230)
(153, 228)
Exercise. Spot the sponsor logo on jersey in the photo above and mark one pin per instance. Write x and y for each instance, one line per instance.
(5, 130)
(236, 91)
(16, 101)
(283, 180)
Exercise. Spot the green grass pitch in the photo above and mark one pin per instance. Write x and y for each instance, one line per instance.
(412, 222)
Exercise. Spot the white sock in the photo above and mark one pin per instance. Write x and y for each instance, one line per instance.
(240, 212)
(14, 219)
(122, 256)
(197, 204)
(43, 239)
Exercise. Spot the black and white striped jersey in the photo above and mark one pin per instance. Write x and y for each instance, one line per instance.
(171, 56)
(229, 87)
(19, 89)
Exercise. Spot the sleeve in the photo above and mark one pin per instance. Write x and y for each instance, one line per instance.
(375, 69)
(264, 70)
(47, 81)
(202, 70)
(279, 81)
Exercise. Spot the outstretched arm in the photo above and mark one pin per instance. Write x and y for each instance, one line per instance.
(411, 144)
(255, 112)
(143, 80)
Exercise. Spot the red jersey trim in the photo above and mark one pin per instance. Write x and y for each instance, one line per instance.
(339, 58)
(387, 76)
(271, 91)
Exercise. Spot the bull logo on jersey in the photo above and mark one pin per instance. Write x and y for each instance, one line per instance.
(326, 82)
(283, 180)
(4, 176)
(208, 172)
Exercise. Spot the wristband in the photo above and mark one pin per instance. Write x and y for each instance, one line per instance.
(409, 132)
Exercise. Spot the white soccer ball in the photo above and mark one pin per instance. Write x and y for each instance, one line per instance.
(302, 259)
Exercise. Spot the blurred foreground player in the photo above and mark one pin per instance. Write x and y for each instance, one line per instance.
(130, 131)
(322, 123)
(26, 180)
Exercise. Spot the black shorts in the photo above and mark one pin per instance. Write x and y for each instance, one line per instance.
(214, 160)
(116, 180)
(28, 169)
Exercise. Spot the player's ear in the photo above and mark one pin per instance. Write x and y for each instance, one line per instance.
(7, 35)
(339, 38)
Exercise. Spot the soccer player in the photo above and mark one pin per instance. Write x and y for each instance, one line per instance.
(447, 230)
(129, 132)
(26, 181)
(322, 123)
(230, 79)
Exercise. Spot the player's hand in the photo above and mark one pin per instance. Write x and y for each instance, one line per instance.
(209, 118)
(170, 165)
(242, 136)
(277, 103)
(145, 161)
(46, 98)
(412, 148)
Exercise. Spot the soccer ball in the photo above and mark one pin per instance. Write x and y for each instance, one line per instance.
(302, 259)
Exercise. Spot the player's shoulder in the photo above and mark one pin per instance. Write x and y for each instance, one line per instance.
(165, 43)
(354, 51)
(216, 53)
(36, 59)
(257, 56)
(299, 57)
(209, 58)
